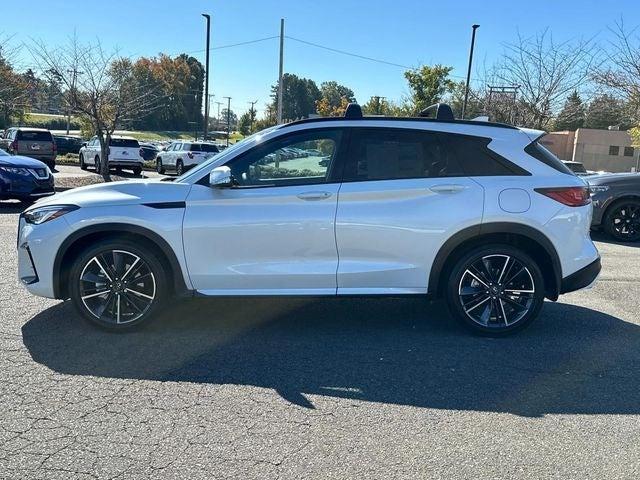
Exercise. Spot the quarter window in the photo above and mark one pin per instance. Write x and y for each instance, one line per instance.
(303, 158)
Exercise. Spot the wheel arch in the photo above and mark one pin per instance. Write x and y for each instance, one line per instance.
(532, 241)
(614, 201)
(85, 236)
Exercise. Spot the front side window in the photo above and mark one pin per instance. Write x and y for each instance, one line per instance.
(303, 158)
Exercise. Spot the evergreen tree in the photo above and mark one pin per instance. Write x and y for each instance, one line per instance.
(572, 115)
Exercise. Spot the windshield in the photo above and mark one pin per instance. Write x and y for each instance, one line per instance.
(227, 152)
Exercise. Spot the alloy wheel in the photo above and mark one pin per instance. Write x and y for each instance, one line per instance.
(117, 287)
(625, 222)
(496, 291)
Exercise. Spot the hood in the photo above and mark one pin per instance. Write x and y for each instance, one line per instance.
(614, 178)
(130, 192)
(21, 162)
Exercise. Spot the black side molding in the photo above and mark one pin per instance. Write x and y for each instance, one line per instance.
(163, 205)
(582, 278)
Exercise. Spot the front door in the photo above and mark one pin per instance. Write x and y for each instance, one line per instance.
(273, 233)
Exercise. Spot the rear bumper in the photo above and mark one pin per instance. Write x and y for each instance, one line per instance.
(582, 278)
(125, 163)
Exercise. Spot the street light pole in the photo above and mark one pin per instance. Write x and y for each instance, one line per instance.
(206, 78)
(280, 71)
(466, 88)
(228, 118)
(252, 114)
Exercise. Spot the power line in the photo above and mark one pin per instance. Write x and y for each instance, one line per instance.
(335, 50)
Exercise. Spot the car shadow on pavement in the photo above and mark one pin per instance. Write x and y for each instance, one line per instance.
(11, 207)
(600, 236)
(573, 360)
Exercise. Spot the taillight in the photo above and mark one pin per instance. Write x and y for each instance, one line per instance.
(190, 154)
(570, 196)
(14, 145)
(141, 152)
(54, 147)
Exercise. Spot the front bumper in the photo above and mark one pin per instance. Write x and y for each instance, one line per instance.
(583, 278)
(22, 187)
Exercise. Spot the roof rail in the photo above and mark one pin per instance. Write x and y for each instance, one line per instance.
(442, 112)
(353, 111)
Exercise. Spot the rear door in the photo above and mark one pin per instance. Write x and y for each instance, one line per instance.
(403, 196)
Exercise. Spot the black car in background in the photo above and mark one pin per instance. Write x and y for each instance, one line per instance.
(616, 204)
(67, 144)
(24, 178)
(149, 151)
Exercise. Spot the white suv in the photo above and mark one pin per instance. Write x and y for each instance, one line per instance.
(475, 212)
(181, 156)
(124, 152)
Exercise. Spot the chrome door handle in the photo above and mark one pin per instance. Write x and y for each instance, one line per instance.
(314, 195)
(448, 188)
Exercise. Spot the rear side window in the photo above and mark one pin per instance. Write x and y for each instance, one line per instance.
(389, 154)
(124, 143)
(34, 136)
(476, 159)
(540, 153)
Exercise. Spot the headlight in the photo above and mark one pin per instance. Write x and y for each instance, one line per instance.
(598, 188)
(44, 214)
(14, 170)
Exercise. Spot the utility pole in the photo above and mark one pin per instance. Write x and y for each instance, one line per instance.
(228, 119)
(75, 73)
(206, 78)
(466, 88)
(218, 116)
(252, 114)
(280, 71)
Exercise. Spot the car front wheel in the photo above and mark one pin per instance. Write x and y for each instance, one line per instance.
(117, 284)
(622, 220)
(495, 290)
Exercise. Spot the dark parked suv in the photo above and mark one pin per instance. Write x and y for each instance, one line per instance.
(616, 204)
(30, 142)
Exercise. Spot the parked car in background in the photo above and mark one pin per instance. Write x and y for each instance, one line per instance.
(30, 142)
(576, 167)
(24, 178)
(616, 205)
(181, 156)
(68, 144)
(149, 151)
(124, 152)
(473, 212)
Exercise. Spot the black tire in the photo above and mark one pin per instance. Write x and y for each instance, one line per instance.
(478, 293)
(622, 220)
(118, 169)
(159, 167)
(83, 166)
(117, 274)
(179, 167)
(137, 171)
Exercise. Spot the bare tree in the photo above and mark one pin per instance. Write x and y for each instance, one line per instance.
(545, 73)
(621, 72)
(13, 89)
(100, 87)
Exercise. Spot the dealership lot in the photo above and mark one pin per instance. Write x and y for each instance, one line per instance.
(321, 388)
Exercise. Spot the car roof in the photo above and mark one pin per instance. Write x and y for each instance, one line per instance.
(33, 129)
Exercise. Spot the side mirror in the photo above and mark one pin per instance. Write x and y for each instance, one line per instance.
(220, 177)
(84, 144)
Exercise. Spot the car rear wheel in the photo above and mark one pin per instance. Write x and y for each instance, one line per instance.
(117, 284)
(622, 220)
(83, 166)
(495, 290)
(179, 167)
(159, 167)
(137, 171)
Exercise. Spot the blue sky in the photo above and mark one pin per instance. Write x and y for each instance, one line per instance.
(406, 32)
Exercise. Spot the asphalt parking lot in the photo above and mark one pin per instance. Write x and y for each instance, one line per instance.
(321, 388)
